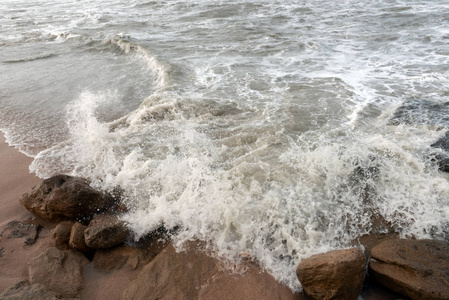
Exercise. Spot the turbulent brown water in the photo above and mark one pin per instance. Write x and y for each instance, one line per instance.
(279, 128)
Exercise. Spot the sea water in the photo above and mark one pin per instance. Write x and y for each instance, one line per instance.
(280, 129)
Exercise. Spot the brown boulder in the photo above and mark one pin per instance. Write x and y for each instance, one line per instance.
(59, 271)
(61, 234)
(337, 274)
(76, 239)
(416, 268)
(121, 257)
(64, 197)
(106, 231)
(192, 274)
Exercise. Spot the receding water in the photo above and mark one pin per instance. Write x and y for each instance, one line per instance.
(278, 128)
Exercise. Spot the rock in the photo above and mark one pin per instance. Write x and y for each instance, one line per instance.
(370, 240)
(23, 290)
(119, 207)
(61, 235)
(443, 163)
(18, 230)
(442, 159)
(416, 268)
(192, 274)
(59, 271)
(337, 274)
(64, 197)
(76, 239)
(442, 143)
(106, 231)
(418, 112)
(121, 257)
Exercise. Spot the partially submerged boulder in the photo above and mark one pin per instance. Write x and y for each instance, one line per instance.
(416, 268)
(59, 271)
(106, 231)
(443, 142)
(337, 274)
(64, 197)
(442, 159)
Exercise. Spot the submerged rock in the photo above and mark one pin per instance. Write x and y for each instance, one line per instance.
(419, 112)
(442, 159)
(59, 271)
(64, 197)
(442, 143)
(106, 231)
(337, 274)
(20, 230)
(422, 112)
(416, 268)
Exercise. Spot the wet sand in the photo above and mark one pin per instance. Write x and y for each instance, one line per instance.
(15, 179)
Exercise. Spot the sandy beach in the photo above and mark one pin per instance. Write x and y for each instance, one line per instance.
(15, 179)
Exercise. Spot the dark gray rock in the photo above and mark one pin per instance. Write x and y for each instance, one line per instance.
(422, 112)
(20, 230)
(442, 143)
(442, 159)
